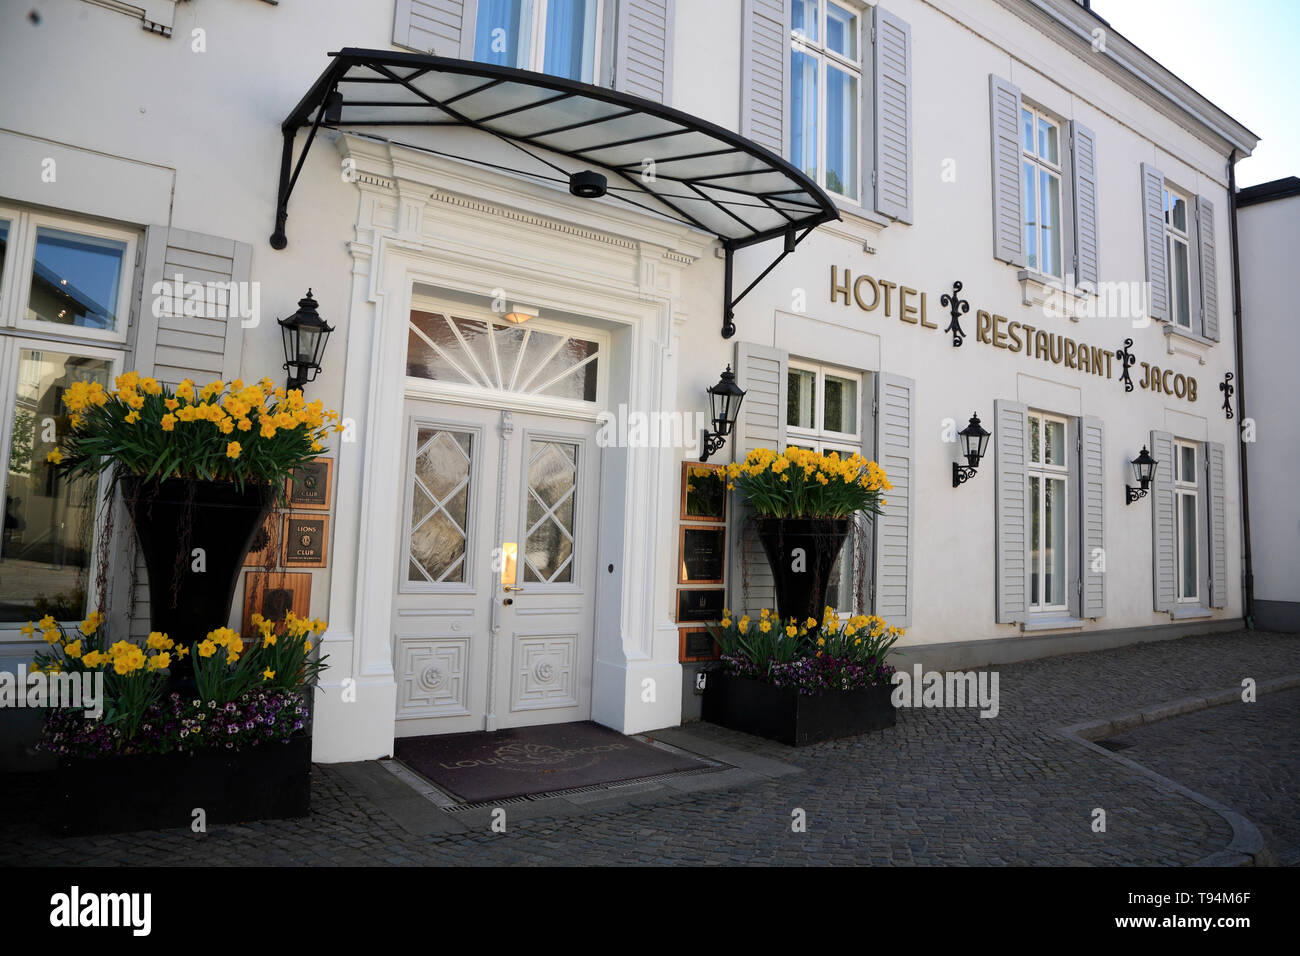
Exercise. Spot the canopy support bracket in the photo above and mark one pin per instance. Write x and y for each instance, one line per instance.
(730, 302)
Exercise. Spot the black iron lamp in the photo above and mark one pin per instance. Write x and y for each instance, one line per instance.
(305, 334)
(974, 439)
(724, 405)
(1144, 469)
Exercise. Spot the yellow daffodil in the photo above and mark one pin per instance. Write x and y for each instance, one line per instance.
(233, 449)
(55, 456)
(268, 674)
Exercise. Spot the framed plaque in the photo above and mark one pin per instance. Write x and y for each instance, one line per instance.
(697, 605)
(305, 538)
(704, 492)
(265, 551)
(309, 485)
(696, 644)
(702, 553)
(271, 593)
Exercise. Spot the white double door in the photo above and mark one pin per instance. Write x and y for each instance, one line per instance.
(487, 489)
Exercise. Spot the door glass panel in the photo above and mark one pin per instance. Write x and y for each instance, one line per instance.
(439, 537)
(48, 519)
(76, 279)
(551, 494)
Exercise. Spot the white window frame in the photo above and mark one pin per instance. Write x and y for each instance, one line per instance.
(534, 11)
(17, 283)
(1187, 488)
(1044, 471)
(1043, 165)
(1175, 236)
(823, 55)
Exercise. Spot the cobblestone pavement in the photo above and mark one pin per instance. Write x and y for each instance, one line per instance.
(941, 787)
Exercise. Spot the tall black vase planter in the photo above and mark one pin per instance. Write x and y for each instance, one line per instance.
(802, 579)
(171, 519)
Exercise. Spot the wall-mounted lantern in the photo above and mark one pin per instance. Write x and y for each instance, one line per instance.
(974, 439)
(305, 334)
(1144, 467)
(724, 405)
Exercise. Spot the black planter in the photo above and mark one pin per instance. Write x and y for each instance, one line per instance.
(783, 714)
(801, 594)
(155, 791)
(173, 518)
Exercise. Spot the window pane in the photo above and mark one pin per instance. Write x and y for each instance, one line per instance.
(75, 279)
(502, 35)
(1054, 543)
(570, 38)
(1186, 463)
(1027, 130)
(1187, 532)
(840, 406)
(1182, 310)
(1035, 536)
(1053, 442)
(4, 243)
(841, 31)
(49, 520)
(800, 402)
(1047, 142)
(841, 132)
(803, 112)
(1030, 206)
(803, 18)
(1179, 213)
(1050, 190)
(1035, 438)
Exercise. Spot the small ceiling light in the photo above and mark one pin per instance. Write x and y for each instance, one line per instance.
(1144, 469)
(587, 184)
(974, 439)
(724, 405)
(519, 314)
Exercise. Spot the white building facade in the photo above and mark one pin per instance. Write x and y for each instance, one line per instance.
(488, 323)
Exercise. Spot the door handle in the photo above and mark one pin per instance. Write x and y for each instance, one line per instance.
(511, 587)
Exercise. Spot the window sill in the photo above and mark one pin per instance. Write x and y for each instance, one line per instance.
(1190, 612)
(1180, 340)
(1039, 290)
(1054, 623)
(857, 224)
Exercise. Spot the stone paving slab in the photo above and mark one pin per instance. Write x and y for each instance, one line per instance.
(941, 787)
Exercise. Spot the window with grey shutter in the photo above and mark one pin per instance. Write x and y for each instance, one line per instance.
(1008, 215)
(896, 454)
(440, 27)
(1153, 225)
(1215, 481)
(764, 76)
(643, 62)
(1083, 162)
(1011, 491)
(762, 372)
(892, 40)
(173, 347)
(1164, 535)
(1092, 515)
(1209, 273)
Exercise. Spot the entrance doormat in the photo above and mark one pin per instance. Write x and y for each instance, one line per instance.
(525, 761)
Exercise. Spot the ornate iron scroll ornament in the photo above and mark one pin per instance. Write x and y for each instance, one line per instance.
(1227, 388)
(1126, 360)
(958, 307)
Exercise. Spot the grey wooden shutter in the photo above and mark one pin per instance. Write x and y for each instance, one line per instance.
(1084, 168)
(1008, 212)
(1153, 219)
(1164, 547)
(1092, 516)
(1011, 491)
(440, 27)
(763, 372)
(893, 113)
(1215, 479)
(203, 348)
(764, 73)
(896, 454)
(1209, 273)
(643, 64)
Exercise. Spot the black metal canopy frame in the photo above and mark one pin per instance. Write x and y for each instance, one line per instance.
(658, 159)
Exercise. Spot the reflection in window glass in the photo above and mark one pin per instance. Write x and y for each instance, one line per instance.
(570, 39)
(841, 403)
(803, 18)
(803, 112)
(75, 279)
(841, 31)
(841, 132)
(48, 519)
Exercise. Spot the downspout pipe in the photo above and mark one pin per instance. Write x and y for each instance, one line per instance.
(1248, 582)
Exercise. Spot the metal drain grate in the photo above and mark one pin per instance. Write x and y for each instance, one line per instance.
(1114, 744)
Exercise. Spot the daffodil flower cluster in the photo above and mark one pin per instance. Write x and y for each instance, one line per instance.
(806, 484)
(221, 431)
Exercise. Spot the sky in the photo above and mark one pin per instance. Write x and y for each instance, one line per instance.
(1243, 56)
